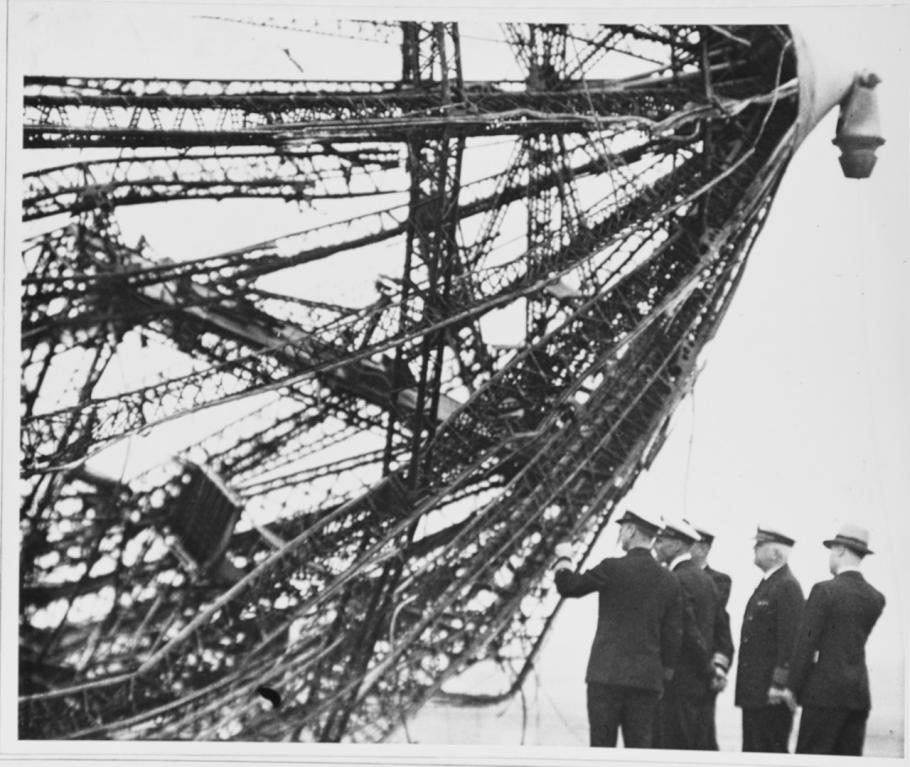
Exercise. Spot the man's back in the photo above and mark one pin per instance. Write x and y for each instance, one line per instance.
(639, 619)
(722, 581)
(838, 618)
(700, 615)
(723, 635)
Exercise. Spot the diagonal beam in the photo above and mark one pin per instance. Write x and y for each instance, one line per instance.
(302, 176)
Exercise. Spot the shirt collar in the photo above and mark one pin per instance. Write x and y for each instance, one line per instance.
(848, 570)
(680, 558)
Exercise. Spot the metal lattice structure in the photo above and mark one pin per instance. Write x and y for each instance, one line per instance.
(388, 516)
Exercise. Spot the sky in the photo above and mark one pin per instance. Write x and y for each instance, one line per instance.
(800, 416)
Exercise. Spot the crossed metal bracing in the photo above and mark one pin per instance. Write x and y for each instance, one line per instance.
(82, 113)
(326, 173)
(384, 514)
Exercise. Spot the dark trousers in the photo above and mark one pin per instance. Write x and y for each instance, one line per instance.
(710, 726)
(767, 728)
(611, 706)
(831, 731)
(682, 722)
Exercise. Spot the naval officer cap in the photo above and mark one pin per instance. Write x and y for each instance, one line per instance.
(641, 519)
(704, 534)
(770, 534)
(680, 530)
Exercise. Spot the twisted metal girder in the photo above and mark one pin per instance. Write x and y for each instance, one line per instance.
(326, 348)
(429, 50)
(446, 538)
(70, 281)
(302, 176)
(81, 118)
(574, 460)
(73, 111)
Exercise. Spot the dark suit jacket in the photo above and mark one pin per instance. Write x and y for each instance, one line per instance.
(767, 639)
(701, 613)
(723, 583)
(638, 622)
(723, 635)
(828, 667)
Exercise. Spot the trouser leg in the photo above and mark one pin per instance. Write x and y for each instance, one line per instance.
(852, 734)
(818, 730)
(638, 718)
(831, 731)
(710, 726)
(604, 710)
(664, 731)
(703, 725)
(767, 729)
(748, 729)
(680, 722)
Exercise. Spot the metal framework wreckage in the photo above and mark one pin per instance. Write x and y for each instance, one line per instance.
(387, 517)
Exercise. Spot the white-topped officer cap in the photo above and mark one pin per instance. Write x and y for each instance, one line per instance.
(679, 528)
(643, 519)
(705, 534)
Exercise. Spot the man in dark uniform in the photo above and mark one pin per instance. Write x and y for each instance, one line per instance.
(638, 634)
(768, 635)
(682, 719)
(828, 671)
(723, 645)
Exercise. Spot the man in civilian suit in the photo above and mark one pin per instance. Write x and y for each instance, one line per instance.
(638, 634)
(828, 673)
(768, 636)
(682, 714)
(723, 646)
